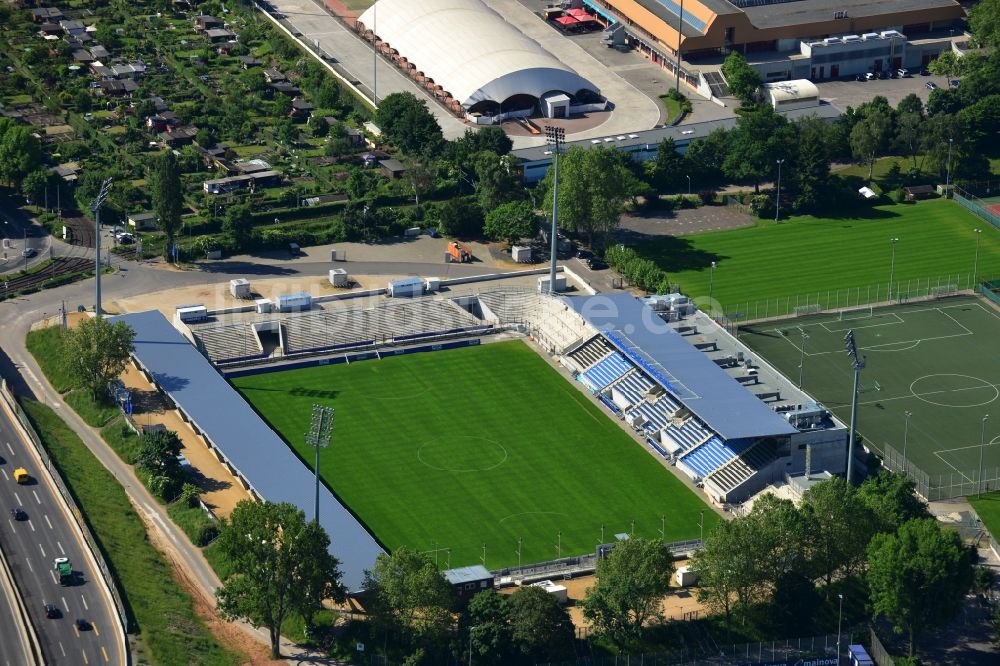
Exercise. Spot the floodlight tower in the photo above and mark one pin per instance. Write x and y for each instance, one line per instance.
(554, 136)
(95, 206)
(320, 432)
(858, 362)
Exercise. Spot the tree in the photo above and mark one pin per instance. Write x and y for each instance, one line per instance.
(459, 216)
(157, 459)
(97, 351)
(911, 104)
(760, 138)
(594, 185)
(918, 577)
(286, 132)
(892, 500)
(870, 137)
(669, 168)
(540, 627)
(812, 172)
(168, 197)
(984, 20)
(487, 626)
(409, 595)
(728, 574)
(511, 222)
(277, 557)
(743, 80)
(238, 223)
(20, 152)
(408, 124)
(496, 179)
(419, 176)
(631, 584)
(35, 185)
(908, 134)
(839, 525)
(491, 138)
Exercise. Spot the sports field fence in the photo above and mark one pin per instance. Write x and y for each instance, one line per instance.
(852, 301)
(935, 487)
(988, 211)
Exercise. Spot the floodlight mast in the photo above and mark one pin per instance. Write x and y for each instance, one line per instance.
(554, 136)
(320, 432)
(95, 206)
(858, 362)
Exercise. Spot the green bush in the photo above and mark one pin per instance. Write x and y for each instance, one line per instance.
(643, 273)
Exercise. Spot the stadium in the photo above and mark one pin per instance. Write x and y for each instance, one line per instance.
(483, 448)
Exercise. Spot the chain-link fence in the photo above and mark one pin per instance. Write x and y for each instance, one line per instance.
(934, 487)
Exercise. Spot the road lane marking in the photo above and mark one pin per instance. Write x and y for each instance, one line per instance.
(59, 543)
(49, 522)
(18, 498)
(94, 627)
(65, 605)
(31, 525)
(35, 493)
(11, 525)
(9, 448)
(6, 478)
(76, 631)
(85, 660)
(53, 574)
(104, 653)
(85, 606)
(41, 549)
(62, 649)
(29, 565)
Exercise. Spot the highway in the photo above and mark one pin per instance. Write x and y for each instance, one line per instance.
(32, 544)
(13, 648)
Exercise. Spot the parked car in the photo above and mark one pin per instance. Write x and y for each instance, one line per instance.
(931, 85)
(903, 72)
(869, 76)
(596, 264)
(925, 72)
(125, 238)
(28, 252)
(861, 77)
(17, 513)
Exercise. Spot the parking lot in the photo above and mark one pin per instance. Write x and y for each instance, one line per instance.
(843, 94)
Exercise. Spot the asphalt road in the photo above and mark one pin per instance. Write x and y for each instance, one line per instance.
(32, 544)
(13, 650)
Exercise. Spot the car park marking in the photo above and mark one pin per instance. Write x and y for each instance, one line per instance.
(49, 522)
(37, 499)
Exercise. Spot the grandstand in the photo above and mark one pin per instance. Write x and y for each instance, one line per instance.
(691, 391)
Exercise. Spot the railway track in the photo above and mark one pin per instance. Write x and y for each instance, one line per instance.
(59, 266)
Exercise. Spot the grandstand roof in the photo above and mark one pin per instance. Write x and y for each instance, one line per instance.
(702, 386)
(470, 50)
(244, 439)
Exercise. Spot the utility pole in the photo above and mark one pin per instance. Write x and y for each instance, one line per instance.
(947, 181)
(680, 37)
(858, 363)
(555, 136)
(892, 264)
(320, 431)
(975, 265)
(95, 206)
(777, 201)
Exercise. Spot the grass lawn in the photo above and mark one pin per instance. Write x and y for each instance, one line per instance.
(481, 446)
(936, 360)
(171, 632)
(810, 255)
(988, 508)
(673, 107)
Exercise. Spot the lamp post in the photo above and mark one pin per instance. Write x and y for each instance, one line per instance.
(711, 285)
(554, 136)
(374, 56)
(975, 264)
(892, 263)
(858, 363)
(777, 204)
(906, 429)
(689, 185)
(680, 36)
(701, 527)
(95, 206)
(947, 180)
(320, 431)
(840, 617)
(802, 353)
(982, 447)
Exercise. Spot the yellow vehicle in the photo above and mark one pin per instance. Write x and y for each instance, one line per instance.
(21, 475)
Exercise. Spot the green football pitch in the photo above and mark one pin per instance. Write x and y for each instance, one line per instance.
(936, 360)
(477, 447)
(816, 256)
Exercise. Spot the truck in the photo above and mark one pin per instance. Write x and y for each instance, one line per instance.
(65, 569)
(21, 475)
(458, 253)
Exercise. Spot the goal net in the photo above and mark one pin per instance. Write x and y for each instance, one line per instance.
(856, 313)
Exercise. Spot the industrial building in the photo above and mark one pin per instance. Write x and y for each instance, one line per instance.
(782, 39)
(474, 62)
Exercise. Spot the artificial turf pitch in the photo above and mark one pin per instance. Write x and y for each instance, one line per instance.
(935, 359)
(478, 446)
(811, 255)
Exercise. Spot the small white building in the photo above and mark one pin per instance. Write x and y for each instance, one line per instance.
(791, 95)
